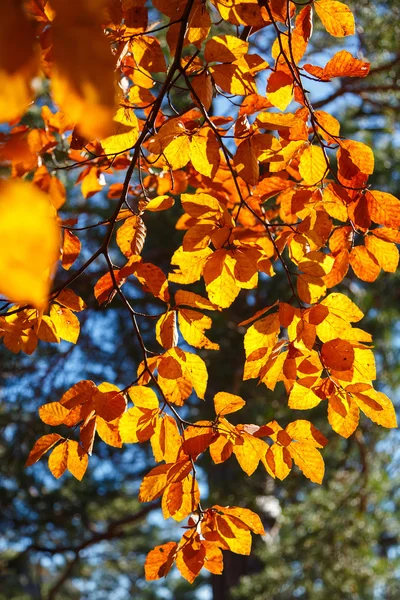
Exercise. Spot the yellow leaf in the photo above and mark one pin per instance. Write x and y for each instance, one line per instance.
(302, 397)
(328, 126)
(197, 371)
(160, 203)
(310, 288)
(189, 265)
(225, 48)
(346, 421)
(313, 165)
(364, 364)
(108, 432)
(157, 479)
(226, 403)
(278, 461)
(249, 451)
(201, 206)
(192, 325)
(380, 410)
(204, 153)
(177, 153)
(219, 278)
(304, 431)
(184, 297)
(153, 279)
(143, 396)
(92, 183)
(263, 334)
(354, 154)
(249, 518)
(29, 242)
(341, 306)
(179, 372)
(125, 132)
(234, 78)
(166, 441)
(180, 499)
(148, 54)
(336, 17)
(385, 253)
(69, 299)
(67, 324)
(272, 372)
(308, 459)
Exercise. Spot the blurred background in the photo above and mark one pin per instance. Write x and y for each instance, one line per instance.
(70, 540)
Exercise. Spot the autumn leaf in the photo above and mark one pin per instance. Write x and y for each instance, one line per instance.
(159, 561)
(226, 404)
(70, 250)
(178, 209)
(313, 165)
(29, 243)
(86, 94)
(125, 132)
(336, 17)
(43, 445)
(20, 60)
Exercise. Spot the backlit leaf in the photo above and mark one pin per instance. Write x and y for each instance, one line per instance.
(29, 242)
(226, 404)
(336, 17)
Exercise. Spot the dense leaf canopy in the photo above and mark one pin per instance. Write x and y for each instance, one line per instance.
(196, 120)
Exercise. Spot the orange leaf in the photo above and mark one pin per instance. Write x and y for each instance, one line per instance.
(166, 330)
(131, 236)
(338, 354)
(383, 208)
(71, 249)
(153, 280)
(364, 264)
(40, 448)
(53, 413)
(280, 89)
(109, 405)
(58, 460)
(385, 253)
(159, 561)
(77, 460)
(20, 60)
(336, 17)
(342, 64)
(87, 93)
